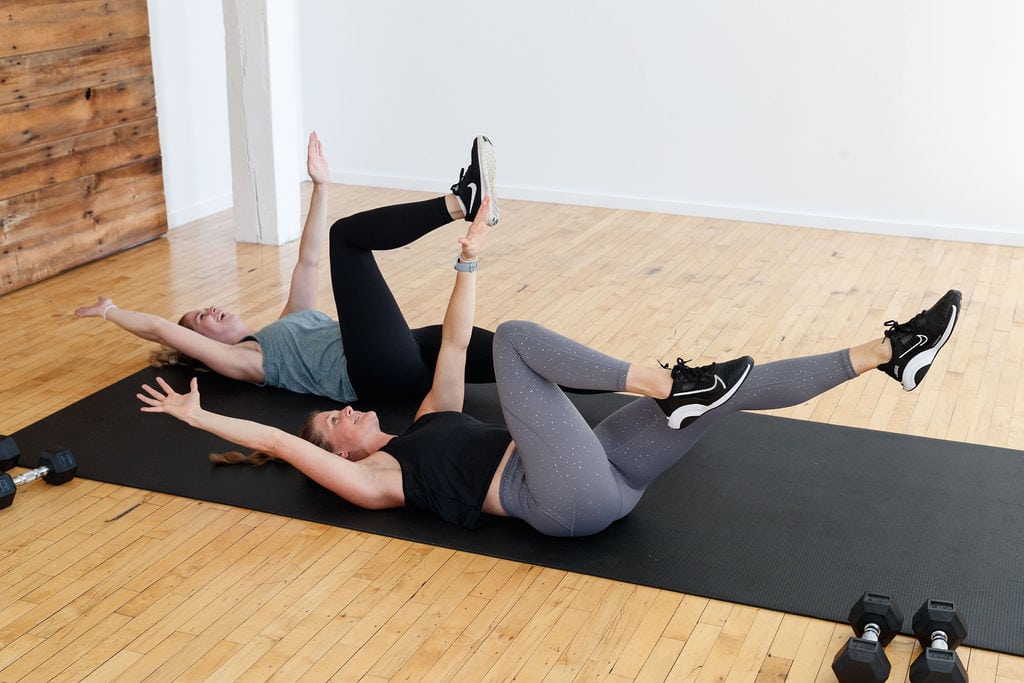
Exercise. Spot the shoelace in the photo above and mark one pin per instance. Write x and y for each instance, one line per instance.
(705, 373)
(898, 327)
(458, 186)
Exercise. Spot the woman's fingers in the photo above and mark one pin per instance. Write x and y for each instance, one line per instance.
(154, 400)
(157, 395)
(152, 392)
(165, 386)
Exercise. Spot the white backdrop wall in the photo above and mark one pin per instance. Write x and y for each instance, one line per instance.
(897, 117)
(187, 38)
(874, 115)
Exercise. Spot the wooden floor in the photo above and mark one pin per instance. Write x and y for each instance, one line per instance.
(101, 582)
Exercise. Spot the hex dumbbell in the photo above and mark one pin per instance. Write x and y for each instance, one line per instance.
(57, 466)
(940, 629)
(8, 452)
(875, 620)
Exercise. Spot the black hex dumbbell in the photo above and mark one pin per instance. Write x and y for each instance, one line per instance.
(940, 629)
(8, 452)
(876, 620)
(57, 466)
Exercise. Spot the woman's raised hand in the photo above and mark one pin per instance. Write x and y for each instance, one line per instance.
(94, 310)
(473, 242)
(316, 163)
(169, 401)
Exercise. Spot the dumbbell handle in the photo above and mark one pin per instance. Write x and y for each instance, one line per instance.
(940, 641)
(31, 475)
(871, 632)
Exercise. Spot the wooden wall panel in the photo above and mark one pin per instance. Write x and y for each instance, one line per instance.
(51, 118)
(44, 25)
(80, 171)
(77, 68)
(95, 216)
(28, 168)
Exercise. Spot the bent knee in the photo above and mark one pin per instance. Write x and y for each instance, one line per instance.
(508, 331)
(338, 234)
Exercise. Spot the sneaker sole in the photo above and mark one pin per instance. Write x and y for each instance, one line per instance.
(488, 173)
(922, 361)
(684, 415)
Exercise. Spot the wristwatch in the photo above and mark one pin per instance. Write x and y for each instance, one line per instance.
(464, 266)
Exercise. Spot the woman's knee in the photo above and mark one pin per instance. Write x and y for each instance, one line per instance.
(338, 233)
(508, 332)
(510, 327)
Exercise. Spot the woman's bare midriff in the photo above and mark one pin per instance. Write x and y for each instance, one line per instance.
(492, 502)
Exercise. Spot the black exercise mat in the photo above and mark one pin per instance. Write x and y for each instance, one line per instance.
(783, 514)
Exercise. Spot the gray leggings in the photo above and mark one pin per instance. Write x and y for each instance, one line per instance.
(567, 479)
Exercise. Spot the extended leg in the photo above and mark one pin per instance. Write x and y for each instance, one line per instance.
(642, 446)
(563, 483)
(383, 355)
(385, 358)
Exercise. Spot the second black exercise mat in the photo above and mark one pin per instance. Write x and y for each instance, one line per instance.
(783, 514)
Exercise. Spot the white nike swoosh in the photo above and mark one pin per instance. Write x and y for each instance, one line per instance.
(921, 341)
(472, 196)
(718, 380)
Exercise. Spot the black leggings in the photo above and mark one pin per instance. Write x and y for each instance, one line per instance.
(385, 358)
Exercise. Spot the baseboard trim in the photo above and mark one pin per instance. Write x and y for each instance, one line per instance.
(957, 233)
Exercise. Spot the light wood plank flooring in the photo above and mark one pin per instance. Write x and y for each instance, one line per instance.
(100, 582)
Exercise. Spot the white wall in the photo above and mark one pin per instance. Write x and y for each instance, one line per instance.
(876, 115)
(881, 116)
(187, 38)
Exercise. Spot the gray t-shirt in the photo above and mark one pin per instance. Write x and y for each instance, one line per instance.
(302, 352)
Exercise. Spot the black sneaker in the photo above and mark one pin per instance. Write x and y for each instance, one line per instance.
(477, 181)
(695, 391)
(915, 343)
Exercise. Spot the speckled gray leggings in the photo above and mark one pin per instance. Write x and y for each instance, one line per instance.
(566, 479)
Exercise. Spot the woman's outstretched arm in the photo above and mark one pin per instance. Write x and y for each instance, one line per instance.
(237, 362)
(306, 276)
(449, 386)
(350, 480)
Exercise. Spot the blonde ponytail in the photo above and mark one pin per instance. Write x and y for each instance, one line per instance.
(165, 356)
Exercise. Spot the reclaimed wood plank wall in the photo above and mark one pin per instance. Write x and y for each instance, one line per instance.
(80, 171)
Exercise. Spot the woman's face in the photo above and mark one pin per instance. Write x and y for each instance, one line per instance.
(348, 432)
(216, 323)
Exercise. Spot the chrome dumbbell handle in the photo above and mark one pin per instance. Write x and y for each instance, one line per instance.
(940, 641)
(871, 633)
(31, 475)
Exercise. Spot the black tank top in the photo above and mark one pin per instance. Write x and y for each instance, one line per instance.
(448, 460)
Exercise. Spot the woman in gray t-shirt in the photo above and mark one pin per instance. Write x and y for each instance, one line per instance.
(307, 351)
